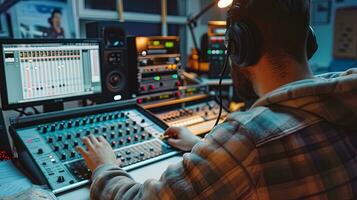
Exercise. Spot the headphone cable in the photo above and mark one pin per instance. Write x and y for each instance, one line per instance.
(220, 87)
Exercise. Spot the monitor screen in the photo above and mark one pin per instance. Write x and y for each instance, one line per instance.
(36, 72)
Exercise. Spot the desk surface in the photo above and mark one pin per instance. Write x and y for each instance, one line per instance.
(140, 175)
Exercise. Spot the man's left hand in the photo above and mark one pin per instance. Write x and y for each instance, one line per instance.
(99, 152)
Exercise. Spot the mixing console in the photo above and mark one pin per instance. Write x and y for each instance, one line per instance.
(131, 131)
(199, 117)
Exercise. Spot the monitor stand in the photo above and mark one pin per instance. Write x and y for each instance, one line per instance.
(53, 107)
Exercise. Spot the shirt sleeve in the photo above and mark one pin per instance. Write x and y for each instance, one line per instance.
(220, 167)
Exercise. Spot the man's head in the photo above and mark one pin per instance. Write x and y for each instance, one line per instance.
(281, 28)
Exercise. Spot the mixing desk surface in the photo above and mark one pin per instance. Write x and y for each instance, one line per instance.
(48, 142)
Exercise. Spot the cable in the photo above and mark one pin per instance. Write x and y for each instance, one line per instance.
(220, 86)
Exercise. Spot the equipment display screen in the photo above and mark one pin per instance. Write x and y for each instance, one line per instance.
(45, 71)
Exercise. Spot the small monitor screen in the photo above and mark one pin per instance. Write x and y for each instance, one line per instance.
(48, 71)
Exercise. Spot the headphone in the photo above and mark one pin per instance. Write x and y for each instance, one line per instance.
(243, 40)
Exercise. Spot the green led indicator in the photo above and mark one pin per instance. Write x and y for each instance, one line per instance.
(169, 44)
(209, 52)
(221, 52)
(157, 78)
(156, 43)
(174, 76)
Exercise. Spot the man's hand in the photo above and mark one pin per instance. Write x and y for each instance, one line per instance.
(181, 138)
(99, 152)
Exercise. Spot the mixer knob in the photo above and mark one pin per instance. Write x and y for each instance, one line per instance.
(110, 117)
(118, 155)
(121, 141)
(78, 134)
(112, 135)
(135, 130)
(40, 151)
(91, 119)
(105, 136)
(142, 129)
(69, 136)
(69, 124)
(198, 109)
(143, 121)
(66, 145)
(98, 119)
(128, 131)
(136, 137)
(60, 179)
(120, 125)
(87, 132)
(120, 133)
(129, 139)
(59, 138)
(151, 149)
(122, 114)
(127, 124)
(143, 135)
(50, 140)
(113, 143)
(39, 128)
(77, 123)
(63, 156)
(73, 154)
(61, 126)
(112, 127)
(56, 148)
(44, 129)
(116, 116)
(96, 130)
(75, 143)
(84, 121)
(142, 154)
(53, 128)
(104, 129)
(127, 152)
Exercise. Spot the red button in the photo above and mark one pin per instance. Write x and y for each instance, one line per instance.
(143, 88)
(139, 101)
(178, 83)
(152, 87)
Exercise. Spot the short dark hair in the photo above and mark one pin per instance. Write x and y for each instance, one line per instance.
(283, 25)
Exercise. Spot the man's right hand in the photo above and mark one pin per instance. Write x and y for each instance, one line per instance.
(181, 138)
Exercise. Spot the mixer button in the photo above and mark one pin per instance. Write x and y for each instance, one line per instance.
(60, 179)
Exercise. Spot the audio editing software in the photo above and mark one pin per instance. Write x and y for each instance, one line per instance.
(44, 71)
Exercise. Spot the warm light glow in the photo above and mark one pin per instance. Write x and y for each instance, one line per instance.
(224, 3)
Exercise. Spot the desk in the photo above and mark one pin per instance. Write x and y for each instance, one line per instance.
(140, 175)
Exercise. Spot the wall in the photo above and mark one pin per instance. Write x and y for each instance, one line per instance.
(325, 33)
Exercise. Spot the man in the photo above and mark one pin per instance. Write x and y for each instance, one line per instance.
(298, 141)
(55, 31)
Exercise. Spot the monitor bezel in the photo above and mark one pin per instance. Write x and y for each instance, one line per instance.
(3, 86)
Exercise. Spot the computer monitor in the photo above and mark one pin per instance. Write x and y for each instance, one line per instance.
(46, 71)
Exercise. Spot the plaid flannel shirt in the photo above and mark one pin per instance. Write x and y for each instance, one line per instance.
(297, 142)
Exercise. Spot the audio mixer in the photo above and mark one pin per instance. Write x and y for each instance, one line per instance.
(198, 116)
(46, 144)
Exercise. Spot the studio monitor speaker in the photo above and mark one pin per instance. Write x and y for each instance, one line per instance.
(119, 79)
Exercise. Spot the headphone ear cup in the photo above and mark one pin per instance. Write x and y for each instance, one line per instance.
(243, 43)
(312, 44)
